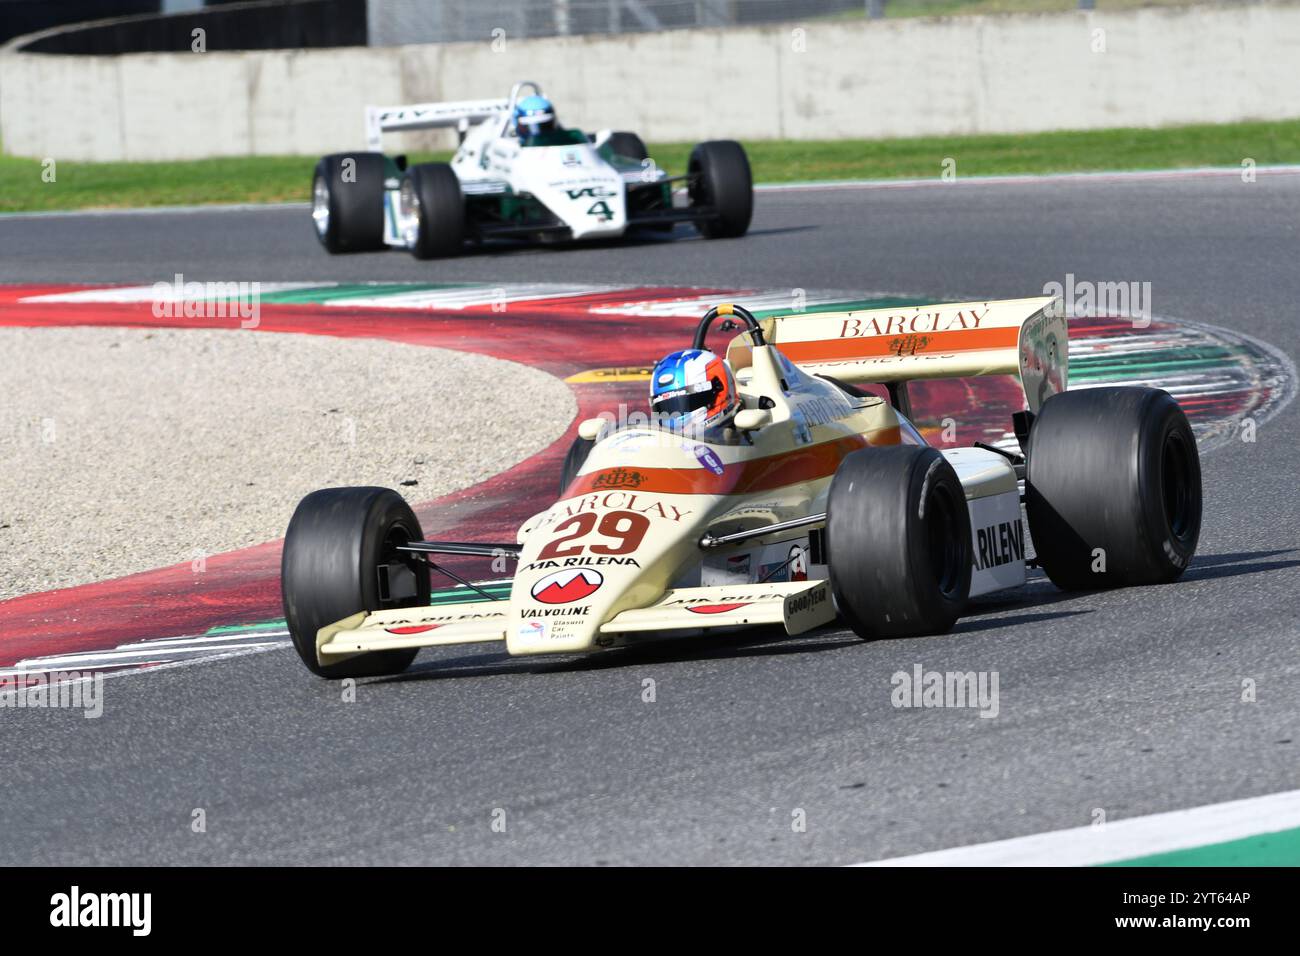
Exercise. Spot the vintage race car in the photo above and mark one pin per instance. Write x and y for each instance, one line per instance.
(564, 185)
(821, 500)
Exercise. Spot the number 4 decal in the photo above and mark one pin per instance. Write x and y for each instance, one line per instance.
(601, 211)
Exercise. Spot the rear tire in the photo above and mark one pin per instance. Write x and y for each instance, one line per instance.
(898, 542)
(1113, 483)
(433, 209)
(338, 541)
(720, 179)
(348, 202)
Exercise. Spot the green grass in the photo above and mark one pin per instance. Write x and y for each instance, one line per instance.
(280, 178)
(947, 8)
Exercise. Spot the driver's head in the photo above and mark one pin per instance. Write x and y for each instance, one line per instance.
(693, 390)
(534, 115)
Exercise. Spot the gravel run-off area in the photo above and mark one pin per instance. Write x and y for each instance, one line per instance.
(124, 450)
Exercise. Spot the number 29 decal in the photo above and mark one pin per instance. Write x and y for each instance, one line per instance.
(621, 532)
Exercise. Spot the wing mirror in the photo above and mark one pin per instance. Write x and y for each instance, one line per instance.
(590, 428)
(752, 419)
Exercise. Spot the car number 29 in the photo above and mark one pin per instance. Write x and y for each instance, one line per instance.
(625, 528)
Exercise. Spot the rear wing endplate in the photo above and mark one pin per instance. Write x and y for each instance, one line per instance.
(1027, 338)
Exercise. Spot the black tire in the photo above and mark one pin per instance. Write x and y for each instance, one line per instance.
(336, 543)
(352, 199)
(574, 460)
(627, 145)
(1115, 469)
(898, 542)
(721, 181)
(432, 201)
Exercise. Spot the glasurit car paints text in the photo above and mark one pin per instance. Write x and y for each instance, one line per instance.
(75, 908)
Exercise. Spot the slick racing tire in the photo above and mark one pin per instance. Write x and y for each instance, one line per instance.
(340, 558)
(898, 542)
(433, 210)
(627, 145)
(1113, 488)
(720, 181)
(347, 202)
(574, 461)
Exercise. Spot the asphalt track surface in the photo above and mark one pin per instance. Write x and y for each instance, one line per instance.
(1125, 701)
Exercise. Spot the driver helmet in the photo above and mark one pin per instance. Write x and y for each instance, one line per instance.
(693, 390)
(534, 115)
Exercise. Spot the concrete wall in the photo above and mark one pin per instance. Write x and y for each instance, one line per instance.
(1018, 73)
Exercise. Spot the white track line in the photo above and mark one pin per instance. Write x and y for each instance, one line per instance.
(1124, 839)
(829, 184)
(1134, 175)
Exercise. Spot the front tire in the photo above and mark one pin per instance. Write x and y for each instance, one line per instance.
(348, 202)
(339, 558)
(1113, 488)
(898, 542)
(433, 209)
(721, 182)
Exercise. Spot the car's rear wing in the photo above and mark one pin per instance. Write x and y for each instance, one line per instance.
(1022, 337)
(384, 119)
(459, 114)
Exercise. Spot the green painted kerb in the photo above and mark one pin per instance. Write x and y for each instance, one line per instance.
(1264, 849)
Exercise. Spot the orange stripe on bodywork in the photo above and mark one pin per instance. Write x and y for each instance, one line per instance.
(903, 344)
(808, 463)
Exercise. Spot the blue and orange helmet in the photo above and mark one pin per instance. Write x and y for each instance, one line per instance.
(692, 390)
(534, 115)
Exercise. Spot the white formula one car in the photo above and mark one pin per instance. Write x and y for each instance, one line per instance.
(818, 500)
(511, 178)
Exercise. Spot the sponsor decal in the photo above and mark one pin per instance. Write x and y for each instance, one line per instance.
(918, 322)
(434, 620)
(716, 608)
(565, 587)
(999, 544)
(412, 628)
(623, 500)
(909, 344)
(820, 409)
(591, 192)
(532, 631)
(534, 612)
(580, 562)
(812, 598)
(572, 157)
(739, 564)
(620, 478)
(707, 457)
(666, 378)
(798, 564)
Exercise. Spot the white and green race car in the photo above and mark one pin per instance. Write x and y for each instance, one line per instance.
(505, 182)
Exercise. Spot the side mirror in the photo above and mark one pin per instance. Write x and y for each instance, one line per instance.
(752, 419)
(590, 428)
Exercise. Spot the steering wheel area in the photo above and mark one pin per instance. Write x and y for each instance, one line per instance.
(730, 312)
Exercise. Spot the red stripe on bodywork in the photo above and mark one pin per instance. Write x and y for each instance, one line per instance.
(913, 343)
(760, 474)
